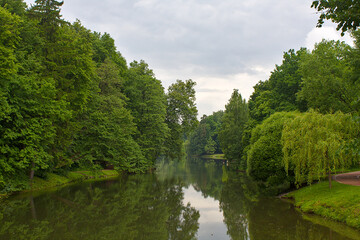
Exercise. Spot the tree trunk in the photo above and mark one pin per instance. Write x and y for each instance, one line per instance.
(32, 172)
(33, 209)
(329, 170)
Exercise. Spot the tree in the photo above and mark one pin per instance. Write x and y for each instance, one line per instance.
(147, 102)
(181, 115)
(14, 6)
(278, 93)
(343, 12)
(30, 109)
(205, 138)
(70, 64)
(210, 146)
(265, 157)
(327, 83)
(9, 39)
(235, 117)
(355, 57)
(106, 137)
(314, 144)
(47, 13)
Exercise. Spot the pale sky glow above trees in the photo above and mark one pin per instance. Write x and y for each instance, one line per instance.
(220, 44)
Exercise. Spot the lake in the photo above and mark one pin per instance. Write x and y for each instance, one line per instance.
(190, 199)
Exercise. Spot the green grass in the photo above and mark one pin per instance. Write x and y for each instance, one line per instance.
(341, 203)
(54, 180)
(110, 172)
(214, 156)
(346, 170)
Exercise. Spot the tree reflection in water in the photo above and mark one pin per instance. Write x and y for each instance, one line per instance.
(135, 207)
(151, 206)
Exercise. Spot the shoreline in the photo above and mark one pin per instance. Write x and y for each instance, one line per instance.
(341, 203)
(54, 180)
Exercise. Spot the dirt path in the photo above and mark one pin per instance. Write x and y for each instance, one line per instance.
(351, 178)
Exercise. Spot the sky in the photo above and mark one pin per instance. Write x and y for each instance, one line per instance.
(220, 44)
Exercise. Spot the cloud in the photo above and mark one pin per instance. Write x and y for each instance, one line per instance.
(327, 32)
(219, 44)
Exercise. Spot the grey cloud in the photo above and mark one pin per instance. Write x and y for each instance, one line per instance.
(222, 36)
(199, 38)
(208, 90)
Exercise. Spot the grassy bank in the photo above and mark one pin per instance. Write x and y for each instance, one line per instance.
(54, 180)
(214, 156)
(341, 203)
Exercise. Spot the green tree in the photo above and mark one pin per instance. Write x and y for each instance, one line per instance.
(327, 84)
(47, 13)
(314, 144)
(233, 123)
(147, 102)
(73, 70)
(27, 130)
(278, 93)
(107, 127)
(14, 6)
(27, 107)
(265, 156)
(198, 139)
(355, 57)
(181, 115)
(343, 12)
(210, 146)
(205, 138)
(9, 38)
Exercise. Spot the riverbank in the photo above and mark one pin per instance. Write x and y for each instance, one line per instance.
(55, 180)
(340, 203)
(214, 156)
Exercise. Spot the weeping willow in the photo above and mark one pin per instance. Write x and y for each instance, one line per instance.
(314, 145)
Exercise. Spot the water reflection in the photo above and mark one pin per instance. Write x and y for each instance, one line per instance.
(184, 200)
(211, 219)
(134, 207)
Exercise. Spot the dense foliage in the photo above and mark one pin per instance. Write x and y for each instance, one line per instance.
(181, 116)
(233, 125)
(204, 140)
(327, 83)
(343, 12)
(314, 144)
(69, 100)
(279, 92)
(265, 156)
(292, 134)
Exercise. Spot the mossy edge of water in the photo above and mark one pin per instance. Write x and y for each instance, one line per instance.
(340, 203)
(54, 180)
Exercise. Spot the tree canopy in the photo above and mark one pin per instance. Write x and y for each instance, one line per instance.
(181, 116)
(233, 124)
(69, 100)
(315, 144)
(346, 13)
(327, 84)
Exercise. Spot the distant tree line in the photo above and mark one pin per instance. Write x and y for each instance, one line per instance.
(68, 99)
(204, 140)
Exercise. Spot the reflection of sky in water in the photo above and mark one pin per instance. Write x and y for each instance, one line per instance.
(211, 225)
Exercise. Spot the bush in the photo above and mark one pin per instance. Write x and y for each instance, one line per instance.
(265, 157)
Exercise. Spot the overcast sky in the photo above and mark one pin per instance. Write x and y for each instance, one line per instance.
(220, 44)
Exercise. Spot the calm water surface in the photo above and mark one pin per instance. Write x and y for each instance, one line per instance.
(184, 200)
